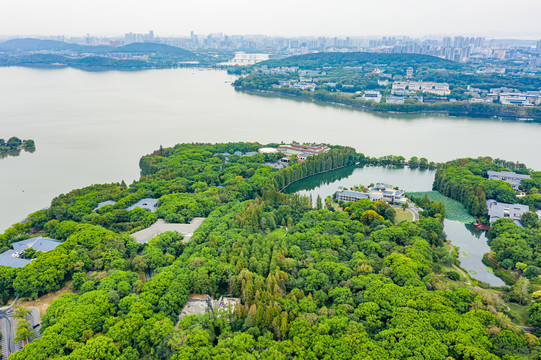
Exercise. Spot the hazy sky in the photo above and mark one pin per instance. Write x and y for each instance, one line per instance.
(520, 18)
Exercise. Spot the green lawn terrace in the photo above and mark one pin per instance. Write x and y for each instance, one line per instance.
(453, 209)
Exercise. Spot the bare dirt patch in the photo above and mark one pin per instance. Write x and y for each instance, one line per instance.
(43, 302)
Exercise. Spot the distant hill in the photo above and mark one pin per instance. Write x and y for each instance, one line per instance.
(31, 44)
(87, 63)
(340, 59)
(161, 50)
(150, 48)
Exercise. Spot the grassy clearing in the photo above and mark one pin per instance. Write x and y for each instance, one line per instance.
(520, 312)
(278, 233)
(402, 215)
(43, 302)
(453, 209)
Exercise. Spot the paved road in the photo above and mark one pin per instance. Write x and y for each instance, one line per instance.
(7, 327)
(412, 209)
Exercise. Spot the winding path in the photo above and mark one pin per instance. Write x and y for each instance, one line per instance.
(456, 267)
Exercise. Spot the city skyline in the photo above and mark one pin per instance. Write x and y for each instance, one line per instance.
(280, 18)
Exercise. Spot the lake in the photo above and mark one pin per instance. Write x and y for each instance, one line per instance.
(472, 243)
(92, 127)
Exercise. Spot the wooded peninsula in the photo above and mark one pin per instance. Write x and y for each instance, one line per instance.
(402, 83)
(275, 276)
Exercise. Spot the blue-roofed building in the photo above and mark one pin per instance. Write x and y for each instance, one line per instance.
(13, 258)
(251, 153)
(238, 153)
(149, 204)
(104, 203)
(509, 177)
(13, 261)
(38, 243)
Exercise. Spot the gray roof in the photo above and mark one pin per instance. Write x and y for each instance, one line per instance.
(238, 153)
(498, 210)
(507, 174)
(381, 186)
(356, 194)
(149, 204)
(102, 204)
(38, 243)
(13, 262)
(250, 153)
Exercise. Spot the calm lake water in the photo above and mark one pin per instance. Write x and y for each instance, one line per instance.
(472, 243)
(92, 127)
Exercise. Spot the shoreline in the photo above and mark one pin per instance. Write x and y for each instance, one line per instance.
(278, 94)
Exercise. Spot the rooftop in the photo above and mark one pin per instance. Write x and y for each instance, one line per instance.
(13, 262)
(12, 258)
(498, 210)
(507, 174)
(38, 243)
(149, 204)
(104, 203)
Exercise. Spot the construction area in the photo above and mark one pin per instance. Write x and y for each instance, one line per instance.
(201, 304)
(161, 226)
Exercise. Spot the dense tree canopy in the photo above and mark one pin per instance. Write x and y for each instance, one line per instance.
(313, 283)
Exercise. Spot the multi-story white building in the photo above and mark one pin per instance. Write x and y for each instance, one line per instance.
(372, 96)
(400, 87)
(498, 210)
(379, 192)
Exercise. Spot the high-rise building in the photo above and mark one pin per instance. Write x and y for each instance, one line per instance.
(446, 42)
(539, 44)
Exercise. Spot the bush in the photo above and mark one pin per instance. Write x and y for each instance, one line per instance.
(453, 275)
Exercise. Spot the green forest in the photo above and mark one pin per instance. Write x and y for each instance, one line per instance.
(313, 282)
(516, 250)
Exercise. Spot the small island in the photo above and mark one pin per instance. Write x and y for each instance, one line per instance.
(14, 145)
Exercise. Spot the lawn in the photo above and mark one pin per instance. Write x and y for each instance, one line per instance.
(402, 215)
(453, 209)
(520, 312)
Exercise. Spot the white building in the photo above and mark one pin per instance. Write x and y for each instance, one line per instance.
(395, 99)
(347, 195)
(379, 192)
(498, 210)
(400, 87)
(304, 86)
(243, 59)
(509, 177)
(515, 99)
(372, 96)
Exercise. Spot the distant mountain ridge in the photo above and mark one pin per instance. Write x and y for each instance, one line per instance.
(30, 44)
(359, 59)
